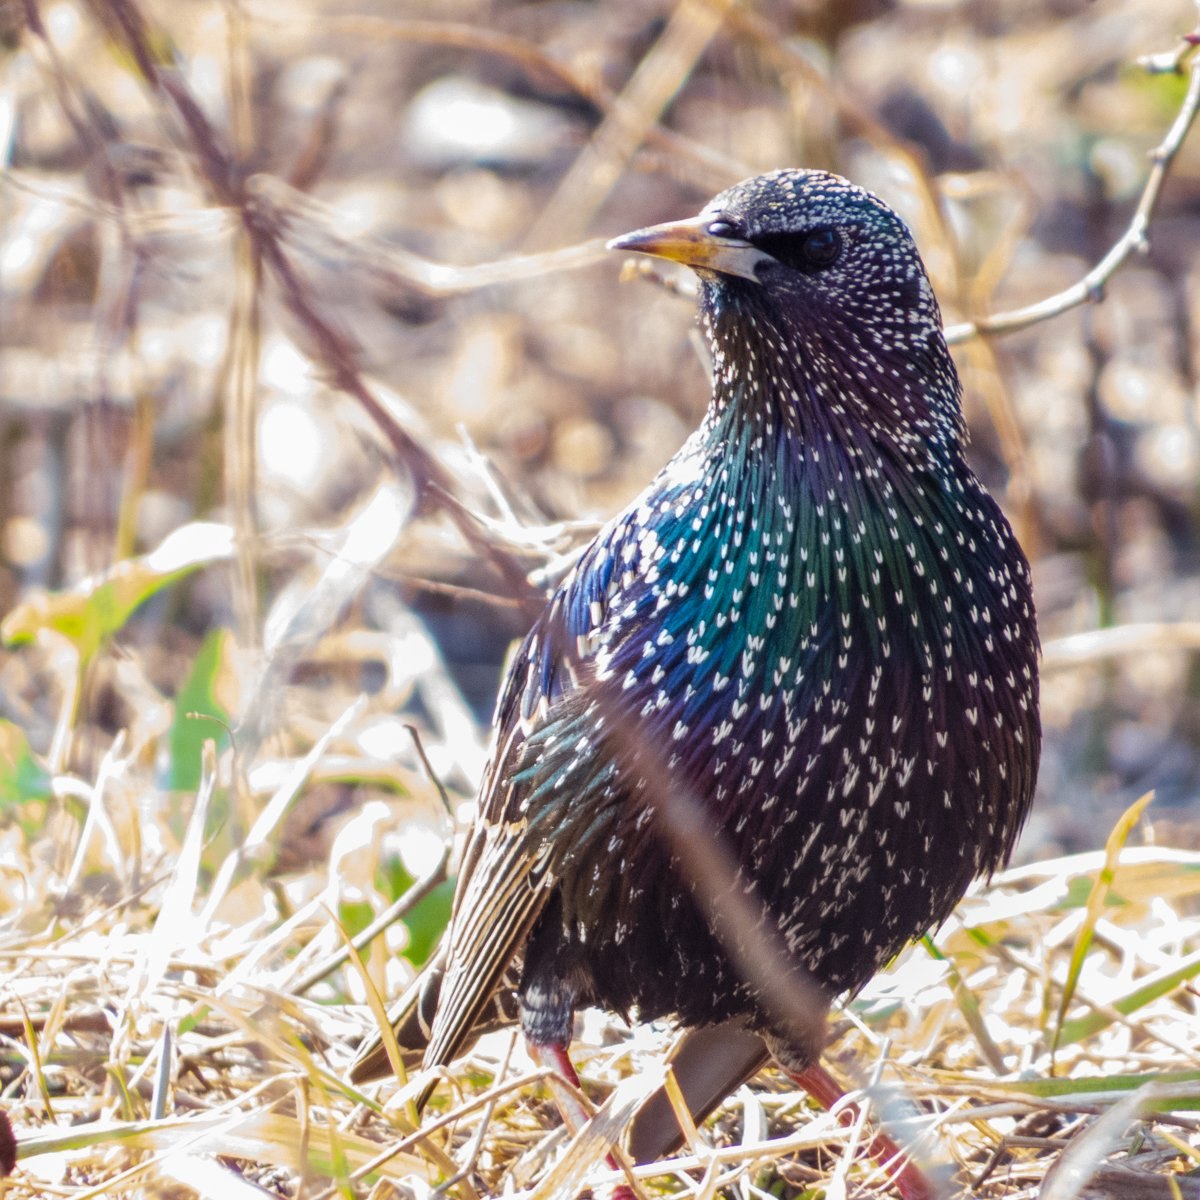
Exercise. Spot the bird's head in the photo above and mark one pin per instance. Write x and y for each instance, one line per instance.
(820, 284)
(811, 240)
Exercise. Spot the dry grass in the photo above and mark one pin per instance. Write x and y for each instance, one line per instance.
(168, 1038)
(231, 689)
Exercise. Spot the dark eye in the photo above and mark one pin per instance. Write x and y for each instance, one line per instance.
(813, 250)
(722, 229)
(822, 247)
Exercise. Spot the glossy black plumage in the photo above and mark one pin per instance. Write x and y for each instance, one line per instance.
(784, 708)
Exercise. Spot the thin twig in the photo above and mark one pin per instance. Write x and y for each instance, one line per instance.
(708, 169)
(659, 76)
(397, 909)
(1102, 645)
(431, 481)
(306, 224)
(1090, 289)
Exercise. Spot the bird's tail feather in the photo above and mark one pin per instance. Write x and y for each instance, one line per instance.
(710, 1063)
(411, 1019)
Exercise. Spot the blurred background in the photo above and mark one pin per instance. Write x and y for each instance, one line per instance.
(313, 372)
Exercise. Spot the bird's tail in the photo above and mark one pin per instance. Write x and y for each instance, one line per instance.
(710, 1063)
(411, 1019)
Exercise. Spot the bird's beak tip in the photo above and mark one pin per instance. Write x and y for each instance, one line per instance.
(677, 240)
(690, 243)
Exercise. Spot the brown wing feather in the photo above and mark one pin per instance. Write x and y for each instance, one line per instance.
(505, 878)
(504, 882)
(500, 904)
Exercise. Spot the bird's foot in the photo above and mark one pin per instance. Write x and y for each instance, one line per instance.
(554, 1057)
(907, 1178)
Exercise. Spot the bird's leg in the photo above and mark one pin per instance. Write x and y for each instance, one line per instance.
(907, 1177)
(553, 1057)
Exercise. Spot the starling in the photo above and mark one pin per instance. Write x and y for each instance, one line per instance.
(784, 708)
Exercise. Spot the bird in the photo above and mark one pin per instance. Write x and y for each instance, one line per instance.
(783, 709)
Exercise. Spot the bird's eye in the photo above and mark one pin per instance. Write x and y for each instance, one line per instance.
(721, 229)
(813, 250)
(821, 247)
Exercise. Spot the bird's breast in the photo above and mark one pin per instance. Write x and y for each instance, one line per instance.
(844, 687)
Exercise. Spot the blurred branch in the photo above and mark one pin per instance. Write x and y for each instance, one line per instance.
(714, 170)
(403, 904)
(764, 34)
(1090, 289)
(940, 246)
(432, 483)
(731, 904)
(127, 27)
(400, 907)
(148, 223)
(238, 385)
(66, 87)
(315, 227)
(1100, 645)
(315, 149)
(659, 76)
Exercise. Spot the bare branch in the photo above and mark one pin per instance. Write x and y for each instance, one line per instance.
(1091, 287)
(708, 169)
(309, 225)
(1101, 645)
(432, 483)
(659, 76)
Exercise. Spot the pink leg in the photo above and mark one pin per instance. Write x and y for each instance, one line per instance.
(554, 1057)
(908, 1178)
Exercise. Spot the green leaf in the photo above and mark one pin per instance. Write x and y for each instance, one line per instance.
(1080, 892)
(92, 611)
(1095, 907)
(1150, 988)
(22, 777)
(428, 919)
(393, 879)
(196, 700)
(427, 922)
(1097, 1085)
(354, 916)
(968, 1006)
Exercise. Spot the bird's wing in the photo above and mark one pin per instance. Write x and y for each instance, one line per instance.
(508, 870)
(411, 1019)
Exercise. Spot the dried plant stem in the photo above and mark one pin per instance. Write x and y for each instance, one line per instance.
(432, 483)
(1091, 287)
(657, 79)
(390, 915)
(239, 380)
(708, 169)
(1102, 645)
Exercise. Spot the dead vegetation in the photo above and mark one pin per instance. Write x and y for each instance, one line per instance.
(313, 372)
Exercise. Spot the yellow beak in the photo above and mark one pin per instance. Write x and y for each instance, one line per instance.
(690, 242)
